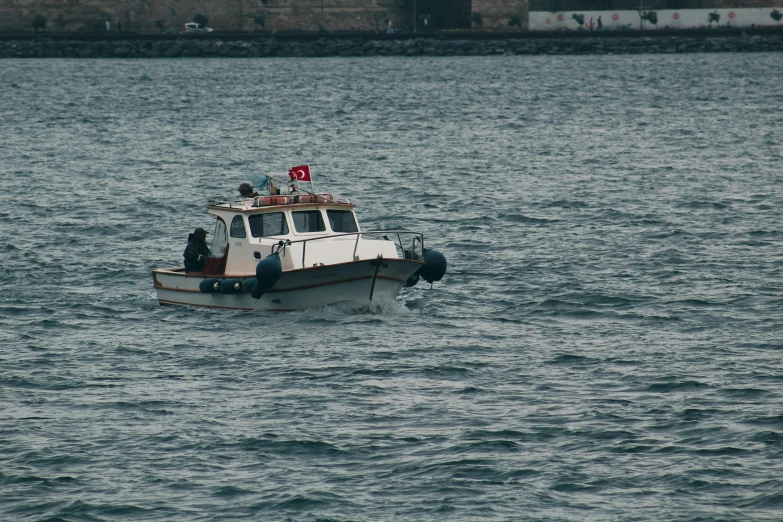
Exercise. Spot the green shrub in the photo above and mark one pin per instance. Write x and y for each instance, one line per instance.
(476, 18)
(650, 16)
(39, 22)
(201, 19)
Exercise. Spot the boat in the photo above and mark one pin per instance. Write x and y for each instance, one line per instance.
(289, 249)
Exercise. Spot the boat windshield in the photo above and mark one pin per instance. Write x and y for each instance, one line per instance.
(219, 240)
(342, 221)
(269, 224)
(308, 221)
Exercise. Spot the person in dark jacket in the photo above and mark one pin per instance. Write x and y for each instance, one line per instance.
(197, 251)
(246, 191)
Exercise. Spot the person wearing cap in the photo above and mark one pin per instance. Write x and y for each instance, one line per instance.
(246, 191)
(197, 251)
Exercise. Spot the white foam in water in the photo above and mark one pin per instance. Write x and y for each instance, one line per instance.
(380, 307)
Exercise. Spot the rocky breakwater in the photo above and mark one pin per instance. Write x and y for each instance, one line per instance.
(371, 45)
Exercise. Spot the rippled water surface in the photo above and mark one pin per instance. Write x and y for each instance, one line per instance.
(606, 344)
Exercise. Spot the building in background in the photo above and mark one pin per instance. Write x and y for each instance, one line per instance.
(334, 16)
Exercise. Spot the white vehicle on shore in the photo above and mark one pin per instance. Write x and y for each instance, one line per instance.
(193, 27)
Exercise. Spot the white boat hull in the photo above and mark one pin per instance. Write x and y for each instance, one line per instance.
(311, 287)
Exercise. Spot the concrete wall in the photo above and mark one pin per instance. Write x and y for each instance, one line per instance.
(667, 19)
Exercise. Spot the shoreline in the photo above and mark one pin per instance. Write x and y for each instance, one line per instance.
(243, 45)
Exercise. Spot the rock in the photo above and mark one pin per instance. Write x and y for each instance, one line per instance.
(46, 47)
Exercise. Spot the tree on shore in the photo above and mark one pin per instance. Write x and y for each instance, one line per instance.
(650, 16)
(776, 15)
(201, 20)
(39, 22)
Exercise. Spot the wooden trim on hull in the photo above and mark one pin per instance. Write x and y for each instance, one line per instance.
(166, 302)
(295, 289)
(350, 280)
(187, 290)
(180, 272)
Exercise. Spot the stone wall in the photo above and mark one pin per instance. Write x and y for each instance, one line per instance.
(497, 14)
(157, 16)
(378, 45)
(312, 15)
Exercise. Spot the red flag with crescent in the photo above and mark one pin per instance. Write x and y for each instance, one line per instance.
(300, 173)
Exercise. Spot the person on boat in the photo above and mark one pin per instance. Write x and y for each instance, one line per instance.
(246, 191)
(197, 251)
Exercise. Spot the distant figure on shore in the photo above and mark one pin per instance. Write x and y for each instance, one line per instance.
(590, 24)
(600, 25)
(390, 25)
(108, 26)
(119, 27)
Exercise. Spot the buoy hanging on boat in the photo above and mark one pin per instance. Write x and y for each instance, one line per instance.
(209, 286)
(248, 284)
(268, 271)
(434, 266)
(230, 286)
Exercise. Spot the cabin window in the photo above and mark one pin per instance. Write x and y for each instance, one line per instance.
(238, 227)
(264, 225)
(308, 221)
(342, 221)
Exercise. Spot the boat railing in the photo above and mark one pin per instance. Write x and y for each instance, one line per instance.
(416, 250)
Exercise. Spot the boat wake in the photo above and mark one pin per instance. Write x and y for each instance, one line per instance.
(377, 307)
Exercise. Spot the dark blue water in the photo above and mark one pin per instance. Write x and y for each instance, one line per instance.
(606, 345)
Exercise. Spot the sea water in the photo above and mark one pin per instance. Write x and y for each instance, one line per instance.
(606, 343)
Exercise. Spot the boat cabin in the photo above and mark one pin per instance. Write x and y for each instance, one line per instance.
(308, 231)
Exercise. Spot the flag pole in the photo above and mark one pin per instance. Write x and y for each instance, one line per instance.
(312, 185)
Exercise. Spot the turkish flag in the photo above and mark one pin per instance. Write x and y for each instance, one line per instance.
(300, 173)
